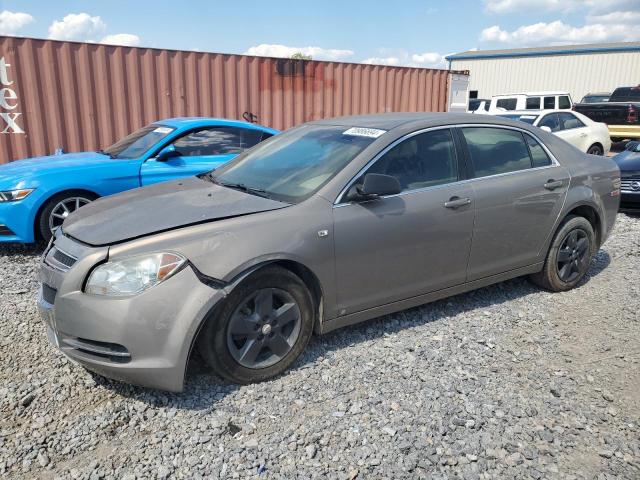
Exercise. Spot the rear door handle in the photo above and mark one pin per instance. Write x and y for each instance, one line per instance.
(553, 184)
(457, 202)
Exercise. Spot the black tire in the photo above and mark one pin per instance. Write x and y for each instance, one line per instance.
(551, 276)
(595, 149)
(214, 342)
(43, 231)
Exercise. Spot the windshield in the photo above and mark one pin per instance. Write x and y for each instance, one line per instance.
(530, 119)
(137, 143)
(293, 166)
(595, 99)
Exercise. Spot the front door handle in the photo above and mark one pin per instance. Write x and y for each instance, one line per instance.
(553, 184)
(457, 202)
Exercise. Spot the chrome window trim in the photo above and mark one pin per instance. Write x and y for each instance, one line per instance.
(554, 161)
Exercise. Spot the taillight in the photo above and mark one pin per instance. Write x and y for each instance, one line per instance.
(632, 114)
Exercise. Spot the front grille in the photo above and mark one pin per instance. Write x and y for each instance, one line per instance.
(631, 185)
(6, 231)
(104, 350)
(59, 260)
(63, 258)
(49, 294)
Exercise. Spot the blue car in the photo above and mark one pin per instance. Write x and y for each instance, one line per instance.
(37, 194)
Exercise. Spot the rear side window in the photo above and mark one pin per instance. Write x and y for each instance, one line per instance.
(496, 150)
(564, 103)
(424, 160)
(570, 121)
(539, 157)
(507, 103)
(549, 103)
(211, 141)
(533, 103)
(552, 121)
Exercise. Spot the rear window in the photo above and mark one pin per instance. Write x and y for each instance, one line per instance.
(564, 103)
(507, 103)
(626, 94)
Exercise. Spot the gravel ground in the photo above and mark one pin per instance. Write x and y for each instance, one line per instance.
(504, 382)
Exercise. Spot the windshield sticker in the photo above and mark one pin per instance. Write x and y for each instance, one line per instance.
(364, 132)
(163, 130)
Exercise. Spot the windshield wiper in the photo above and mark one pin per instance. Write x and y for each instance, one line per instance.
(102, 152)
(260, 192)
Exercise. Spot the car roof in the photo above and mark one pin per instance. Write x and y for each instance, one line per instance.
(530, 94)
(389, 121)
(537, 112)
(194, 122)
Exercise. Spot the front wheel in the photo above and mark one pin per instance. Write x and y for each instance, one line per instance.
(261, 328)
(569, 256)
(595, 150)
(57, 209)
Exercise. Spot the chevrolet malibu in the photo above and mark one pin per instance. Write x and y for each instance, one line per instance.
(37, 194)
(329, 224)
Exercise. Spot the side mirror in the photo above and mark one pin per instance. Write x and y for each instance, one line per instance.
(376, 185)
(167, 153)
(546, 129)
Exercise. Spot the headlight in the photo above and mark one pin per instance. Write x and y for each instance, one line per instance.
(13, 195)
(133, 275)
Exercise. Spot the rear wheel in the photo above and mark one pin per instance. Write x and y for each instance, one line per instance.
(569, 256)
(261, 329)
(58, 208)
(595, 149)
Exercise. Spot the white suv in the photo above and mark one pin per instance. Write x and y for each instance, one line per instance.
(531, 101)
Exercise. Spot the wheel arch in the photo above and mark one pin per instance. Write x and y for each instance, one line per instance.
(592, 215)
(597, 144)
(46, 198)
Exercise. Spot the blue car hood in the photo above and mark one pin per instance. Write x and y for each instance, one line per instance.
(37, 166)
(628, 161)
(159, 208)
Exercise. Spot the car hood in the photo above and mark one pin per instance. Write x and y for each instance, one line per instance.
(158, 208)
(628, 161)
(29, 167)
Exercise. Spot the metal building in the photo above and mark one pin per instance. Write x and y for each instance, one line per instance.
(578, 69)
(84, 96)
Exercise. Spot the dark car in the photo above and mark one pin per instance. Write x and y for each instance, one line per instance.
(596, 97)
(629, 163)
(621, 113)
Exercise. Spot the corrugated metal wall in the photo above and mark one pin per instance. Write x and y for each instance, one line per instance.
(82, 96)
(577, 74)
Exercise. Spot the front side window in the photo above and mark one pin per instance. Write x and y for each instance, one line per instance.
(549, 103)
(295, 164)
(539, 157)
(507, 103)
(570, 121)
(424, 160)
(496, 150)
(139, 142)
(564, 103)
(552, 121)
(210, 141)
(533, 103)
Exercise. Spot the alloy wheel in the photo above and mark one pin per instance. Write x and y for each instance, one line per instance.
(573, 255)
(63, 209)
(264, 328)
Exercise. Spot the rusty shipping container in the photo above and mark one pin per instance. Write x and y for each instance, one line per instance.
(85, 96)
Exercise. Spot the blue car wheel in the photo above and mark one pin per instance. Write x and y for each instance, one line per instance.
(58, 208)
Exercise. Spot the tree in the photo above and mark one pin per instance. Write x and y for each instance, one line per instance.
(300, 56)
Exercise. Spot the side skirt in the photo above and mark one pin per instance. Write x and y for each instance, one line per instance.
(353, 318)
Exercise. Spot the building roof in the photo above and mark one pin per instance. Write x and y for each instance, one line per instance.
(547, 51)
